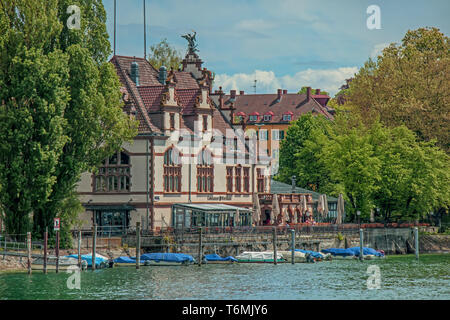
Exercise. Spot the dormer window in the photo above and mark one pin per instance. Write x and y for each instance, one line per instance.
(267, 117)
(287, 117)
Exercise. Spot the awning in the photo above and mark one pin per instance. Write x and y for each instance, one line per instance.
(118, 207)
(211, 208)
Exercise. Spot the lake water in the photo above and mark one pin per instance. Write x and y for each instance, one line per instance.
(402, 277)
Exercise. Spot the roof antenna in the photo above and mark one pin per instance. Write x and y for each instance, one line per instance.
(145, 36)
(254, 86)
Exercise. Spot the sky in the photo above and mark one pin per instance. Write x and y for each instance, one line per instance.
(283, 44)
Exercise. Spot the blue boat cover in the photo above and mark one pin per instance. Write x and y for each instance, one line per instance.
(125, 260)
(339, 252)
(88, 259)
(169, 257)
(313, 254)
(216, 257)
(366, 251)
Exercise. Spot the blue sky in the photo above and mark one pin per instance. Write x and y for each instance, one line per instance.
(285, 44)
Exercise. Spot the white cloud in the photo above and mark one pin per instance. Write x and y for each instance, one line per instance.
(267, 82)
(378, 49)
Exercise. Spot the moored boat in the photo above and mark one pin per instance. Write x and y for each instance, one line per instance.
(216, 259)
(298, 256)
(166, 259)
(100, 261)
(259, 257)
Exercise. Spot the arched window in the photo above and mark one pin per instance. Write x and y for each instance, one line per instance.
(172, 171)
(205, 172)
(114, 175)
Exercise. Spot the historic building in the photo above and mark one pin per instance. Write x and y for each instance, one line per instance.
(269, 115)
(186, 152)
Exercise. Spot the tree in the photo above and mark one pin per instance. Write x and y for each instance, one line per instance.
(163, 54)
(296, 160)
(70, 116)
(408, 85)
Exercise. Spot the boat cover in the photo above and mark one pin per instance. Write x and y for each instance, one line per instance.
(313, 254)
(88, 258)
(259, 256)
(216, 257)
(340, 252)
(169, 257)
(125, 259)
(366, 252)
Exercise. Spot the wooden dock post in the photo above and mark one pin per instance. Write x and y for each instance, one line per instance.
(200, 245)
(94, 244)
(57, 250)
(361, 241)
(293, 245)
(138, 245)
(79, 249)
(416, 240)
(275, 245)
(29, 252)
(45, 249)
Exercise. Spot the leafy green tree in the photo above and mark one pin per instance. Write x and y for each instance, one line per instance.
(61, 106)
(163, 54)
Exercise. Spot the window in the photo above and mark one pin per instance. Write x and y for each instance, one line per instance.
(260, 180)
(238, 177)
(205, 172)
(281, 134)
(263, 135)
(287, 117)
(114, 175)
(247, 180)
(172, 171)
(253, 118)
(172, 121)
(276, 134)
(205, 123)
(267, 117)
(229, 179)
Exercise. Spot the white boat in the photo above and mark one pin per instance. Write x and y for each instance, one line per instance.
(298, 256)
(259, 257)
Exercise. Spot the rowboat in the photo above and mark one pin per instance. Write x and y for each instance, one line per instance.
(259, 257)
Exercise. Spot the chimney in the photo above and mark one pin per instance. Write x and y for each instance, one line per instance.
(220, 92)
(308, 93)
(280, 92)
(233, 94)
(162, 75)
(317, 91)
(241, 93)
(134, 74)
(284, 92)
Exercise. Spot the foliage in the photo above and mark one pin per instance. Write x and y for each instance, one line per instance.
(408, 85)
(60, 107)
(163, 54)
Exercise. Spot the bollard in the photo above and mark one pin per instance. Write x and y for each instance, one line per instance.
(138, 245)
(274, 245)
(29, 252)
(416, 239)
(293, 245)
(361, 239)
(45, 249)
(79, 249)
(200, 245)
(94, 244)
(57, 251)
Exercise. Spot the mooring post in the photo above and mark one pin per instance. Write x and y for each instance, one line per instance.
(361, 239)
(79, 249)
(416, 239)
(45, 248)
(293, 245)
(94, 244)
(200, 245)
(274, 245)
(138, 245)
(57, 250)
(29, 252)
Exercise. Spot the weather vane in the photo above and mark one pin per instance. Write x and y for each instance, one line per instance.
(191, 40)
